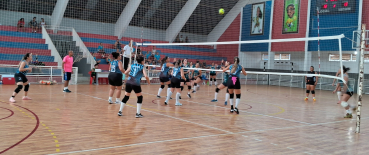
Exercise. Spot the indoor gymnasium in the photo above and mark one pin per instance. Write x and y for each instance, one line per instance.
(212, 77)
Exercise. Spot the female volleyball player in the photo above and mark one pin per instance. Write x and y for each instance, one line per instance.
(187, 80)
(346, 96)
(21, 79)
(164, 75)
(338, 87)
(234, 85)
(223, 85)
(311, 82)
(115, 77)
(135, 73)
(196, 77)
(176, 82)
(213, 75)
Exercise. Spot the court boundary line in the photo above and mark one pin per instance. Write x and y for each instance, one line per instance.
(188, 138)
(291, 120)
(207, 126)
(11, 113)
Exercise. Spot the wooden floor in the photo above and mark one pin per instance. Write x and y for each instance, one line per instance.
(273, 120)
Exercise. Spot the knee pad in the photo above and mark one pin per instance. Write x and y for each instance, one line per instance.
(18, 89)
(231, 96)
(125, 99)
(344, 104)
(189, 87)
(227, 91)
(139, 99)
(217, 90)
(162, 86)
(313, 92)
(195, 84)
(238, 96)
(215, 79)
(181, 88)
(211, 79)
(26, 87)
(168, 85)
(307, 91)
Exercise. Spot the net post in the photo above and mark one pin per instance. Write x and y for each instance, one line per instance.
(340, 48)
(130, 53)
(361, 78)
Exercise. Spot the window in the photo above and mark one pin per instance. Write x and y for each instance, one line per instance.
(366, 57)
(282, 57)
(345, 57)
(264, 57)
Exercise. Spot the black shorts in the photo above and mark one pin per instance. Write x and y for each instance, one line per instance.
(175, 83)
(213, 74)
(67, 76)
(130, 87)
(310, 82)
(126, 63)
(115, 79)
(350, 93)
(164, 79)
(225, 83)
(234, 83)
(197, 77)
(93, 74)
(19, 77)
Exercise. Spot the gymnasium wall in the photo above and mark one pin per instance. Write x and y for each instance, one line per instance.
(246, 29)
(231, 34)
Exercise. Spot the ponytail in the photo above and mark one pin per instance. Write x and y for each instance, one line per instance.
(164, 60)
(345, 69)
(235, 65)
(25, 57)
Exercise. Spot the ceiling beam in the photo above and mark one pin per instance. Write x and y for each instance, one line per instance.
(125, 17)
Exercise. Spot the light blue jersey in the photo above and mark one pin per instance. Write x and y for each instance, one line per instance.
(25, 66)
(136, 74)
(114, 67)
(177, 72)
(237, 72)
(164, 70)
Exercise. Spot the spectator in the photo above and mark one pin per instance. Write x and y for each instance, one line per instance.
(181, 39)
(186, 39)
(67, 67)
(157, 58)
(127, 54)
(33, 25)
(20, 24)
(153, 50)
(42, 23)
(138, 50)
(118, 46)
(191, 65)
(177, 39)
(100, 48)
(93, 73)
(204, 64)
(108, 58)
(97, 61)
(148, 54)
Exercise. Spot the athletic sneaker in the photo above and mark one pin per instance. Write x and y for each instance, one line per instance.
(193, 91)
(157, 96)
(188, 95)
(12, 100)
(117, 102)
(236, 110)
(178, 104)
(139, 115)
(165, 103)
(214, 100)
(348, 115)
(232, 109)
(225, 103)
(110, 101)
(119, 113)
(180, 97)
(314, 99)
(306, 99)
(67, 91)
(26, 98)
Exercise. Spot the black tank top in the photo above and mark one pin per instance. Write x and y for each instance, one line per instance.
(311, 78)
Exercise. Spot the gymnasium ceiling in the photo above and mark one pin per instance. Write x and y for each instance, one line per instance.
(156, 14)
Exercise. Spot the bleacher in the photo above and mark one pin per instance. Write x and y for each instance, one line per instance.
(192, 53)
(13, 45)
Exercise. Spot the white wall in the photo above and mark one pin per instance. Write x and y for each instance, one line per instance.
(251, 60)
(84, 26)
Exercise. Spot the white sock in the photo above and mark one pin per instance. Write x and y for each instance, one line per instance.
(65, 88)
(177, 97)
(110, 98)
(211, 82)
(117, 100)
(349, 111)
(188, 93)
(168, 90)
(139, 105)
(237, 102)
(121, 106)
(227, 96)
(159, 92)
(215, 83)
(216, 96)
(169, 93)
(231, 101)
(339, 95)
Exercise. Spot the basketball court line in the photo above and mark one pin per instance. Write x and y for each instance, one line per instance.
(291, 120)
(168, 116)
(180, 139)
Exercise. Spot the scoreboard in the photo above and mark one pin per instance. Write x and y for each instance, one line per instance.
(336, 6)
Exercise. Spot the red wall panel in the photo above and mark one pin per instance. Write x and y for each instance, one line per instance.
(231, 34)
(365, 16)
(278, 25)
